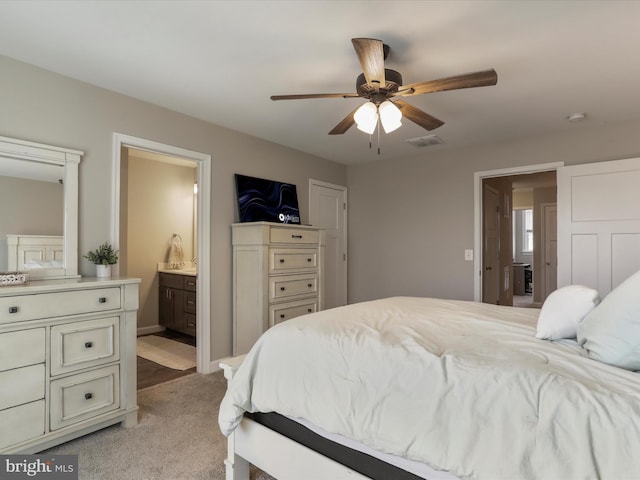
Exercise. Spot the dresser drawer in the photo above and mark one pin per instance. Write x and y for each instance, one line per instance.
(287, 286)
(46, 305)
(287, 311)
(284, 260)
(18, 349)
(84, 344)
(21, 385)
(190, 321)
(83, 396)
(189, 283)
(190, 302)
(21, 423)
(294, 235)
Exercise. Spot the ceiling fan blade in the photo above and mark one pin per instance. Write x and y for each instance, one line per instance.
(314, 95)
(344, 125)
(468, 80)
(371, 55)
(417, 116)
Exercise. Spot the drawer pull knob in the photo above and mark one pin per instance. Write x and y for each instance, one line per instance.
(309, 285)
(88, 396)
(88, 344)
(282, 289)
(296, 236)
(282, 315)
(102, 300)
(13, 309)
(309, 310)
(282, 260)
(309, 259)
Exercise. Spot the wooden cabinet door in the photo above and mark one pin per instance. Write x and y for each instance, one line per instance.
(179, 322)
(166, 310)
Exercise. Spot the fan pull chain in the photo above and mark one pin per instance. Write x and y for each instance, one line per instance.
(378, 129)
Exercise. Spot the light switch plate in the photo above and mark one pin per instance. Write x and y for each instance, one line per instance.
(468, 255)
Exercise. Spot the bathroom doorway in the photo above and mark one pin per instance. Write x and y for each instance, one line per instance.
(158, 230)
(156, 192)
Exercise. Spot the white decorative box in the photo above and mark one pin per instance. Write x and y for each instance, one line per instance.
(13, 278)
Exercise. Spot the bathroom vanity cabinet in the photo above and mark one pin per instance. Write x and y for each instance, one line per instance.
(178, 302)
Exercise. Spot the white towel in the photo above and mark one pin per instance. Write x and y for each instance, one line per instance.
(176, 255)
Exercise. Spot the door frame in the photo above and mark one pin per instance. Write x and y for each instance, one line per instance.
(544, 214)
(203, 328)
(345, 235)
(478, 177)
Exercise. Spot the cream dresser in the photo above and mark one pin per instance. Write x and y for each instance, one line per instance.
(277, 275)
(67, 360)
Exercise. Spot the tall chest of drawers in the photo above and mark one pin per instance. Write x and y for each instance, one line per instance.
(67, 360)
(277, 275)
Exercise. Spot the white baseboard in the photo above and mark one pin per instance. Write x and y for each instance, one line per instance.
(149, 330)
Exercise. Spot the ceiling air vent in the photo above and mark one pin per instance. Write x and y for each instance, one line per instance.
(425, 141)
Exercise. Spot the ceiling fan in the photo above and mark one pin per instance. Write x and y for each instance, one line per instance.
(381, 86)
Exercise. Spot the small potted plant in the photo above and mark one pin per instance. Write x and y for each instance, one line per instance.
(103, 257)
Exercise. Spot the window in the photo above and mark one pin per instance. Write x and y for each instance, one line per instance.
(527, 230)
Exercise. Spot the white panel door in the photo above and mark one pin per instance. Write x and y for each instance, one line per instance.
(598, 223)
(328, 210)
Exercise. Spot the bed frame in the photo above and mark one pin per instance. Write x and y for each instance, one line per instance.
(21, 249)
(279, 456)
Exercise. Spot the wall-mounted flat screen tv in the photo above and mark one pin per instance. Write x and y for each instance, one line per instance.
(266, 200)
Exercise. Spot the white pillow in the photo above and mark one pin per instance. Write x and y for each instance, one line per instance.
(611, 332)
(563, 309)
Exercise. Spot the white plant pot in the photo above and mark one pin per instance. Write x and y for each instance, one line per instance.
(103, 271)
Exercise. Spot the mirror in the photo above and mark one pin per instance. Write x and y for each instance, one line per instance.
(38, 209)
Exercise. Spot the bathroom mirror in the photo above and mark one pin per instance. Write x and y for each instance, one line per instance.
(38, 209)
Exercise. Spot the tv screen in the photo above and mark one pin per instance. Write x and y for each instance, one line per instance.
(266, 200)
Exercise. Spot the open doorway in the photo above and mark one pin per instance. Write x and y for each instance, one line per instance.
(515, 267)
(158, 233)
(197, 243)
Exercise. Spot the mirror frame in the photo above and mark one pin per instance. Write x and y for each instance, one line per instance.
(69, 160)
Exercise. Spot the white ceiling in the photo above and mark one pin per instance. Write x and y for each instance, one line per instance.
(221, 60)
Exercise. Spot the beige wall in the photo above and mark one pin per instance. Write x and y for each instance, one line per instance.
(44, 107)
(410, 219)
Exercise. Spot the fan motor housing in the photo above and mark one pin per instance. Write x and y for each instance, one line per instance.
(393, 81)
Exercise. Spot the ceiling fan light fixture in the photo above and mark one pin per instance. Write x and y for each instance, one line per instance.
(366, 118)
(390, 116)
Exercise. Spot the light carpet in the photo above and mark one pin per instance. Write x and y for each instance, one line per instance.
(167, 352)
(176, 438)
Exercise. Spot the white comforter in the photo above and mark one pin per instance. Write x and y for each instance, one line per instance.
(461, 386)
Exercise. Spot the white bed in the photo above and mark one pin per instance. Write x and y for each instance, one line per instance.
(42, 255)
(463, 389)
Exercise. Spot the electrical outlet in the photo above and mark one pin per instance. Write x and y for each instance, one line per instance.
(468, 255)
